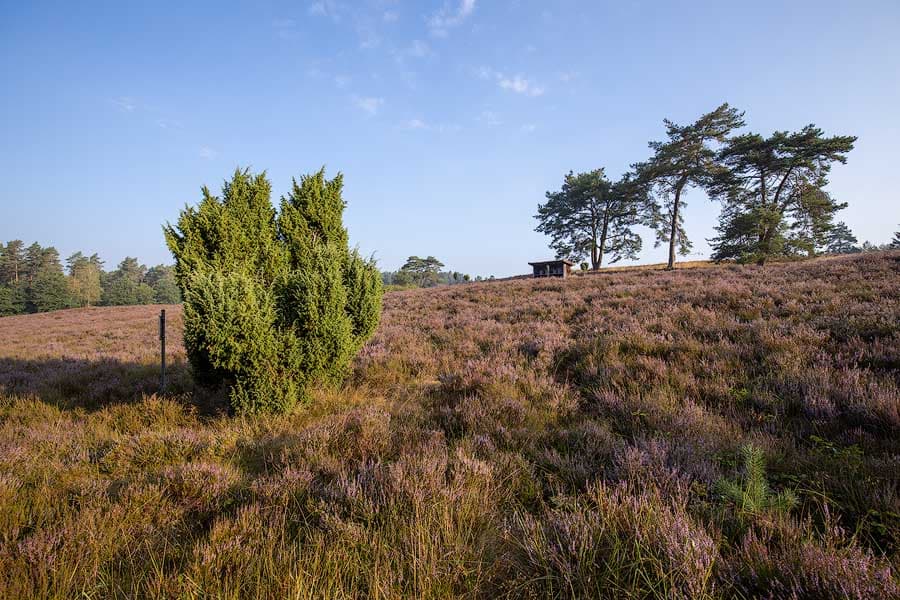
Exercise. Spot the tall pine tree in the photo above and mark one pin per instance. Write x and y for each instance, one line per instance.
(685, 159)
(12, 263)
(771, 188)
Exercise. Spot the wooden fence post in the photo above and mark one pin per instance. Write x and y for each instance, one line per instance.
(162, 350)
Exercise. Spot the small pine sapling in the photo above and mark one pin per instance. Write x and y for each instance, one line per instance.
(752, 496)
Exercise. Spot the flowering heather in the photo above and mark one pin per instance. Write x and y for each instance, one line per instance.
(521, 438)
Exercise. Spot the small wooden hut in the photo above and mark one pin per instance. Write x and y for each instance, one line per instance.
(552, 268)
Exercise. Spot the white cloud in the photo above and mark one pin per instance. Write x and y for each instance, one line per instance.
(568, 76)
(520, 85)
(448, 17)
(125, 103)
(326, 8)
(168, 124)
(368, 105)
(207, 153)
(517, 83)
(389, 16)
(420, 125)
(528, 128)
(342, 81)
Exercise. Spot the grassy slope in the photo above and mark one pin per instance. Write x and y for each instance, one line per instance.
(519, 438)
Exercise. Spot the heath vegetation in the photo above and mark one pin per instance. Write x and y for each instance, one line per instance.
(719, 432)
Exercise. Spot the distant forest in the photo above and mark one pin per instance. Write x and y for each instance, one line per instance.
(423, 272)
(34, 279)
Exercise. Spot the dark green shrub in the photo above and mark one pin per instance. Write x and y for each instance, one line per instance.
(274, 301)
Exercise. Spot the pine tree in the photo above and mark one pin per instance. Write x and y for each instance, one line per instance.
(840, 240)
(593, 217)
(813, 223)
(424, 272)
(770, 187)
(895, 243)
(685, 159)
(12, 264)
(273, 302)
(34, 258)
(47, 286)
(752, 497)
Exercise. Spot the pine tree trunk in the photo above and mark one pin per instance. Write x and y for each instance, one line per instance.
(674, 231)
(602, 247)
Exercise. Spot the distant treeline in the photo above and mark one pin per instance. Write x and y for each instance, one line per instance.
(33, 279)
(424, 272)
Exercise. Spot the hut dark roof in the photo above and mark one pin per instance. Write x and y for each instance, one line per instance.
(540, 263)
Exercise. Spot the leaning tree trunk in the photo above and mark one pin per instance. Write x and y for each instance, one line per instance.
(673, 233)
(602, 247)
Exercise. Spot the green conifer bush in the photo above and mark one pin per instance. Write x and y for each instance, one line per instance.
(274, 301)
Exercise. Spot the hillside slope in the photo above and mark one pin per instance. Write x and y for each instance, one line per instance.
(525, 438)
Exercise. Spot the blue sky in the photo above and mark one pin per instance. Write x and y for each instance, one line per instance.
(448, 119)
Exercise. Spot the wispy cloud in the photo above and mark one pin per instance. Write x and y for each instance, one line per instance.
(125, 103)
(326, 8)
(422, 125)
(207, 153)
(514, 83)
(390, 16)
(450, 15)
(528, 128)
(365, 23)
(168, 124)
(342, 81)
(520, 85)
(368, 105)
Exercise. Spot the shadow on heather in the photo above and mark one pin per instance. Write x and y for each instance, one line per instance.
(75, 383)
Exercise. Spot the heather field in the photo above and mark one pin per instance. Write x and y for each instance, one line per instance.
(717, 432)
